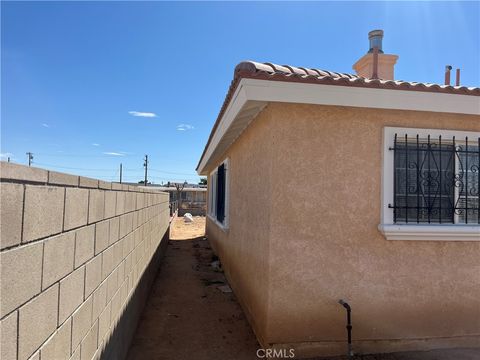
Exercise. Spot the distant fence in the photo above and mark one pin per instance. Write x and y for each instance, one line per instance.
(194, 211)
(77, 257)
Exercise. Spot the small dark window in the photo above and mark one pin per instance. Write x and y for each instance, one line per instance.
(436, 180)
(221, 193)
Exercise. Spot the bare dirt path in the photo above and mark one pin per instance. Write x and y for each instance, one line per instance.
(187, 316)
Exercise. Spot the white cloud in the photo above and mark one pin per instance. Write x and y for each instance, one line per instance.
(45, 125)
(5, 155)
(113, 153)
(143, 114)
(95, 144)
(185, 127)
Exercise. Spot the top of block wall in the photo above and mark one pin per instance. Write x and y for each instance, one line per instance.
(10, 172)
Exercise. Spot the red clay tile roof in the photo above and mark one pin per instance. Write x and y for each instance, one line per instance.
(274, 72)
(269, 71)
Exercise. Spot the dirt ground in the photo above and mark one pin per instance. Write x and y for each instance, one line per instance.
(187, 316)
(190, 316)
(180, 230)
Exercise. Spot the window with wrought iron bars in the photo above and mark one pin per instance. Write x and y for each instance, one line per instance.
(436, 180)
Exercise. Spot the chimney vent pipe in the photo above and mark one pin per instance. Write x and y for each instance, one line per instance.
(375, 37)
(457, 81)
(447, 74)
(375, 63)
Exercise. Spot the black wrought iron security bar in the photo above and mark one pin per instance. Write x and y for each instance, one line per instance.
(436, 180)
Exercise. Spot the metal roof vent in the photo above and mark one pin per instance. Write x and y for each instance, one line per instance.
(375, 37)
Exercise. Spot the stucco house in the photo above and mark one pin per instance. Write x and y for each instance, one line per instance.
(326, 186)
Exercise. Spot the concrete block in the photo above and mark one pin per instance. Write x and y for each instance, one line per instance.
(88, 182)
(134, 220)
(99, 300)
(76, 208)
(121, 272)
(114, 230)
(126, 224)
(112, 284)
(116, 186)
(58, 258)
(11, 198)
(93, 276)
(140, 201)
(21, 275)
(71, 294)
(138, 236)
(89, 344)
(84, 244)
(22, 173)
(124, 291)
(104, 185)
(116, 306)
(96, 206)
(37, 321)
(8, 337)
(110, 204)
(130, 200)
(128, 244)
(104, 322)
(82, 321)
(128, 264)
(107, 262)
(59, 344)
(58, 178)
(118, 252)
(43, 214)
(101, 236)
(120, 203)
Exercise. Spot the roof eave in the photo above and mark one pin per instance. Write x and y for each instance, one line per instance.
(249, 70)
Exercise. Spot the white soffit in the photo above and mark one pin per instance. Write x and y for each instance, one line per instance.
(252, 95)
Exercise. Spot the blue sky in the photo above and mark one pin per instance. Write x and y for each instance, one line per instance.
(73, 74)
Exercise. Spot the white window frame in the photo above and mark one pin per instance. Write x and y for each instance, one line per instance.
(433, 232)
(212, 198)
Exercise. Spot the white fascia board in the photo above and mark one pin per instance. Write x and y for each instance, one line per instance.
(239, 99)
(337, 95)
(290, 92)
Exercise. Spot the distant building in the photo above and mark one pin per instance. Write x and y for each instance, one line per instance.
(192, 199)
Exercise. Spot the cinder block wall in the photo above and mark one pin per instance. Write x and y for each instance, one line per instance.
(77, 258)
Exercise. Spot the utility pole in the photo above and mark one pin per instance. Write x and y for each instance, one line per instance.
(145, 164)
(30, 158)
(120, 173)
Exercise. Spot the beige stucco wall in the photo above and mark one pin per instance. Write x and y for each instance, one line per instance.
(243, 248)
(321, 197)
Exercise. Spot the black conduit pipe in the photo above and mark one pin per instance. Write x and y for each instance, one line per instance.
(349, 327)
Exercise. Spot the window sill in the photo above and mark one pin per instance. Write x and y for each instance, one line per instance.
(431, 232)
(223, 227)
